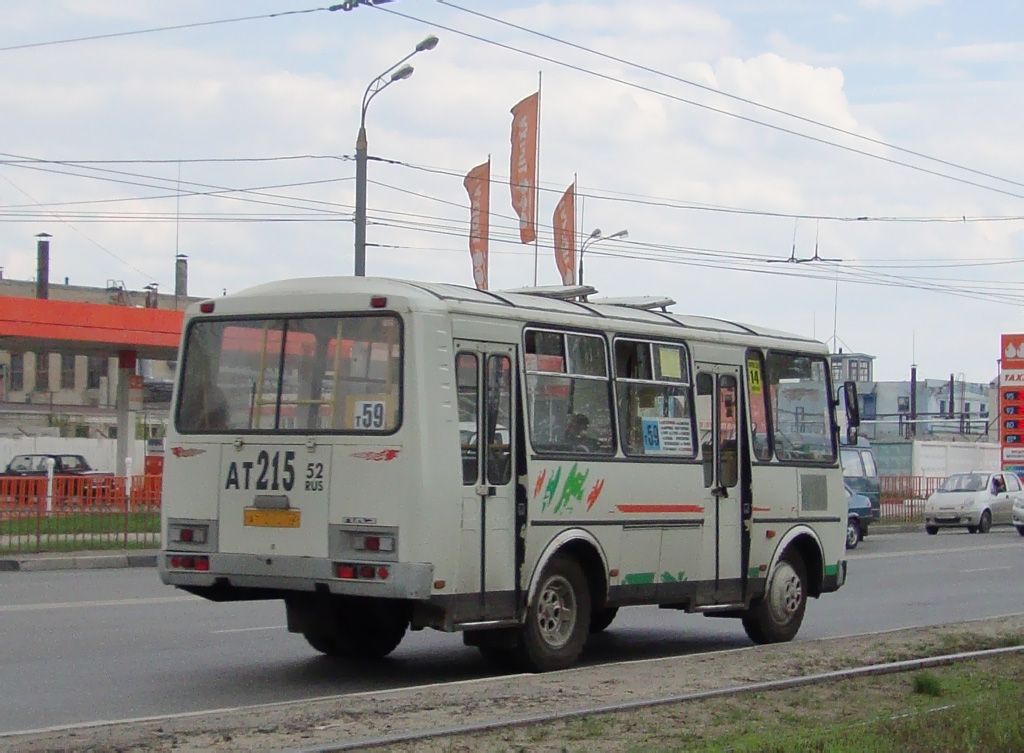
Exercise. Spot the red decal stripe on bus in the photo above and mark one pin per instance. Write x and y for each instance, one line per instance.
(659, 508)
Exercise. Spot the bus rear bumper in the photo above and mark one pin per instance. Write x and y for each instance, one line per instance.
(232, 577)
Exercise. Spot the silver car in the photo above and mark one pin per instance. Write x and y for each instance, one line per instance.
(975, 501)
(1018, 516)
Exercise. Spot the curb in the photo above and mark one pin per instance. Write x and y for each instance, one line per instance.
(81, 561)
(881, 528)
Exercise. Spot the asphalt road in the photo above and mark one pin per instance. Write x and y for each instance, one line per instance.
(92, 645)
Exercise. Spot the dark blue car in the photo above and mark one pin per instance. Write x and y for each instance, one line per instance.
(859, 515)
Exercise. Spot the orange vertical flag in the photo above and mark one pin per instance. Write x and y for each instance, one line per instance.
(523, 171)
(564, 223)
(478, 186)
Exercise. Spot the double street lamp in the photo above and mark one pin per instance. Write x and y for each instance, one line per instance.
(593, 238)
(396, 72)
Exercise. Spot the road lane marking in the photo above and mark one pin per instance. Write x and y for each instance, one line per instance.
(109, 603)
(249, 629)
(954, 550)
(987, 569)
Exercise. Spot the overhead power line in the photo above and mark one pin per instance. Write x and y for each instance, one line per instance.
(704, 106)
(734, 97)
(177, 27)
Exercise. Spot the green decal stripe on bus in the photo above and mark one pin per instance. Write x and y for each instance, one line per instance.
(639, 579)
(831, 569)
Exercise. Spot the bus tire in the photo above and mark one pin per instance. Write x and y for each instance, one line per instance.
(364, 632)
(323, 643)
(602, 618)
(376, 634)
(502, 659)
(558, 619)
(776, 616)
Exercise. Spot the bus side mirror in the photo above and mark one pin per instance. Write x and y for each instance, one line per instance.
(852, 411)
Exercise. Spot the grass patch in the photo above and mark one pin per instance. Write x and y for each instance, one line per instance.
(926, 683)
(969, 706)
(77, 523)
(60, 546)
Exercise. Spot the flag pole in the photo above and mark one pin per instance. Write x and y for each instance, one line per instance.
(536, 189)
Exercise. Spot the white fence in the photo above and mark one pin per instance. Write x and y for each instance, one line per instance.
(944, 458)
(101, 453)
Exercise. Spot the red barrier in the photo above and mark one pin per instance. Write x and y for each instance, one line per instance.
(83, 513)
(903, 497)
(80, 492)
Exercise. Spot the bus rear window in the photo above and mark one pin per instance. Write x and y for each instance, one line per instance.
(309, 375)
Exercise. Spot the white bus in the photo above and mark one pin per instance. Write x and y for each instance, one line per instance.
(387, 455)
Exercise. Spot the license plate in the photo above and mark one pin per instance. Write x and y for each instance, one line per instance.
(272, 518)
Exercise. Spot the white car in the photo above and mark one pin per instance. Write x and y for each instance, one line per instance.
(975, 501)
(1018, 516)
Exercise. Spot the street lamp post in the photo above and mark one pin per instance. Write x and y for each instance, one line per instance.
(593, 238)
(391, 75)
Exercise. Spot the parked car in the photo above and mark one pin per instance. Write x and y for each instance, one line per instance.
(861, 474)
(1018, 516)
(975, 501)
(63, 465)
(858, 517)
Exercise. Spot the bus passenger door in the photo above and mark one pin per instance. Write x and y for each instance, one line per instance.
(486, 380)
(721, 422)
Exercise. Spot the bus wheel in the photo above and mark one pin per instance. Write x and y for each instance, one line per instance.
(323, 643)
(558, 620)
(372, 632)
(602, 618)
(377, 632)
(502, 659)
(777, 615)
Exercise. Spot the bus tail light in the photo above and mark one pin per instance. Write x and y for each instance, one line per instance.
(188, 533)
(373, 543)
(178, 562)
(346, 571)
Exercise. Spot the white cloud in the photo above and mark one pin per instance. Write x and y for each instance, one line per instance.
(898, 7)
(293, 86)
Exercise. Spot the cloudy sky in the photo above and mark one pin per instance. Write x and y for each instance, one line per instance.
(723, 136)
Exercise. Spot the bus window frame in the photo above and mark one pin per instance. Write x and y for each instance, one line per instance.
(688, 385)
(608, 379)
(285, 317)
(833, 430)
(766, 399)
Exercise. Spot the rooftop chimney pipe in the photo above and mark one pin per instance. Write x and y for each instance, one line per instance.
(43, 265)
(180, 276)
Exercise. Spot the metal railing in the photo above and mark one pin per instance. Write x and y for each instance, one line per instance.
(903, 497)
(82, 513)
(79, 513)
